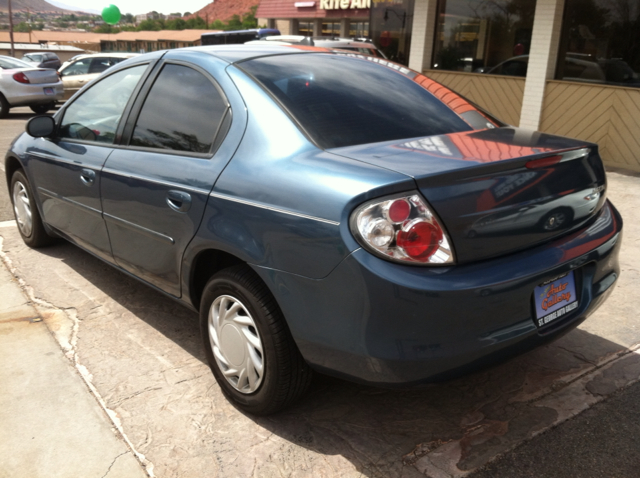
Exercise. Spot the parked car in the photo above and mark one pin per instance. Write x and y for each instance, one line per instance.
(43, 60)
(357, 45)
(582, 68)
(235, 37)
(85, 68)
(23, 85)
(313, 206)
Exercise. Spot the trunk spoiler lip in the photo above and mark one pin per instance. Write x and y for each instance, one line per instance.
(495, 149)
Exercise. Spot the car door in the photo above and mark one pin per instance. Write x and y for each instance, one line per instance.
(67, 168)
(155, 190)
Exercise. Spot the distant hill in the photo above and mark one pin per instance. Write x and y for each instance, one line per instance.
(223, 10)
(31, 5)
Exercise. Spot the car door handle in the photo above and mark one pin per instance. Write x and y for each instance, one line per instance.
(178, 200)
(87, 176)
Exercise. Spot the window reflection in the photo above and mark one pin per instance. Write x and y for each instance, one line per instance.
(391, 24)
(484, 36)
(189, 94)
(601, 42)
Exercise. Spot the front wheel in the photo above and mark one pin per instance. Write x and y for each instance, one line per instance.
(42, 109)
(26, 212)
(248, 345)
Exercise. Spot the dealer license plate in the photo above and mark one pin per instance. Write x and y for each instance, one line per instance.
(49, 91)
(555, 298)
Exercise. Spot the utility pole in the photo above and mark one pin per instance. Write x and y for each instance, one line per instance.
(13, 52)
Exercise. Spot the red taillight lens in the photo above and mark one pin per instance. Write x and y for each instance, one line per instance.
(402, 229)
(21, 77)
(399, 210)
(557, 158)
(420, 239)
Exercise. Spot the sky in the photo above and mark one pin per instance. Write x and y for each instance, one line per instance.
(135, 6)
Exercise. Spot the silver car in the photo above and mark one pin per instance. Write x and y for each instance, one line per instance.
(84, 68)
(23, 85)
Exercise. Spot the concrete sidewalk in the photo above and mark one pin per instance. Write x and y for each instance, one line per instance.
(50, 424)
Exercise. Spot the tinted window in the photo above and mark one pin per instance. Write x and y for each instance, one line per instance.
(341, 101)
(182, 112)
(95, 115)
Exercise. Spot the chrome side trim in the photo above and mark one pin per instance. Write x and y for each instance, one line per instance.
(53, 195)
(156, 181)
(271, 208)
(137, 228)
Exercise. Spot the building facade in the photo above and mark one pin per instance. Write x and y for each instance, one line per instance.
(344, 18)
(566, 67)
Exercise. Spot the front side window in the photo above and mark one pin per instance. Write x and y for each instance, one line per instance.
(80, 67)
(480, 36)
(181, 113)
(95, 115)
(341, 101)
(600, 42)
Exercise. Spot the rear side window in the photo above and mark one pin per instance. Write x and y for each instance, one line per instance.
(343, 101)
(181, 113)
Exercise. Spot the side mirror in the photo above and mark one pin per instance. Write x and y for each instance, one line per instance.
(41, 126)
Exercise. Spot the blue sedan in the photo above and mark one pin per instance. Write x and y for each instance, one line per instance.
(323, 211)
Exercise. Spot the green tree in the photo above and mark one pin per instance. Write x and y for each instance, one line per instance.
(22, 27)
(106, 28)
(151, 25)
(128, 18)
(196, 24)
(175, 24)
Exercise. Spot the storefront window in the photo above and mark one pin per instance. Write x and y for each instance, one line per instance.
(600, 42)
(305, 28)
(391, 22)
(484, 36)
(330, 29)
(359, 29)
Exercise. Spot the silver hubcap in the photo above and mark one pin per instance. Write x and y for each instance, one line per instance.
(236, 344)
(22, 208)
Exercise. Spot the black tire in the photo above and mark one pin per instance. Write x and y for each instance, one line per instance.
(42, 109)
(4, 107)
(36, 235)
(285, 375)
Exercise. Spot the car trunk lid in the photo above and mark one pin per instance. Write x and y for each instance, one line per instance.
(498, 190)
(38, 76)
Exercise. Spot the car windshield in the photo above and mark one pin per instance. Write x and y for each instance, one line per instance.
(34, 58)
(340, 100)
(8, 63)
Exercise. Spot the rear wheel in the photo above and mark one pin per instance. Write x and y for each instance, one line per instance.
(26, 212)
(248, 345)
(42, 109)
(4, 107)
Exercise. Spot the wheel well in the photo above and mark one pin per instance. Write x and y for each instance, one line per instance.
(206, 264)
(11, 166)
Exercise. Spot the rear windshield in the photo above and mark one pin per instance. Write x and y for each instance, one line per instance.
(343, 101)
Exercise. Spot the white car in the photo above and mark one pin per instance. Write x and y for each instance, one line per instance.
(23, 85)
(81, 69)
(357, 45)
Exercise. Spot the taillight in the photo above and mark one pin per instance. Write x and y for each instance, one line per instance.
(547, 161)
(402, 229)
(21, 77)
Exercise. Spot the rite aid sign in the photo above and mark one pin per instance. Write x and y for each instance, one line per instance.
(344, 4)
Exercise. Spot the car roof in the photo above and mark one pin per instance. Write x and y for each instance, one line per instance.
(242, 52)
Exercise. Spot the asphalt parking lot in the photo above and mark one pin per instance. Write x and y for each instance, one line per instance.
(142, 355)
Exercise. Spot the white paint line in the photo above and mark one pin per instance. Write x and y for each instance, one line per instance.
(8, 224)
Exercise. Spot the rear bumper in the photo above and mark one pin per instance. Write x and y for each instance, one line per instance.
(383, 323)
(29, 95)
